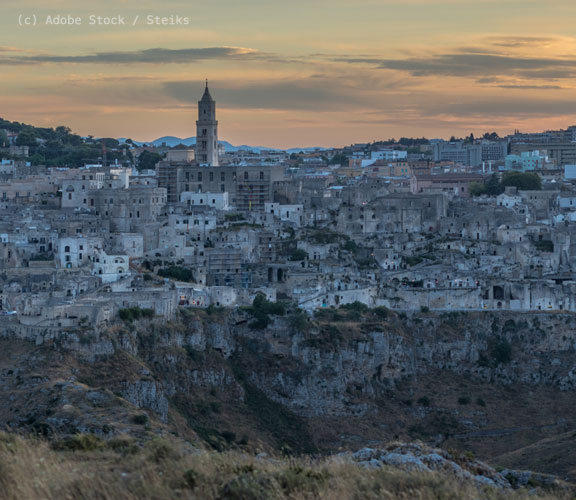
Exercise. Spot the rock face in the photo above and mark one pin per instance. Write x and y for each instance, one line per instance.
(469, 377)
(342, 375)
(147, 394)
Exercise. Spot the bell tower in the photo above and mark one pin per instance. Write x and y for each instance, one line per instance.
(207, 131)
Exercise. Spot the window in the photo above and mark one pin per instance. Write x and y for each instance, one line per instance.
(211, 176)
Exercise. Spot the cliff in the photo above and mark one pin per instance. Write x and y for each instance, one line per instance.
(487, 382)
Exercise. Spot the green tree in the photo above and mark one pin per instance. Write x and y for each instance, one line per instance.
(339, 159)
(148, 160)
(477, 189)
(491, 136)
(26, 138)
(493, 186)
(522, 181)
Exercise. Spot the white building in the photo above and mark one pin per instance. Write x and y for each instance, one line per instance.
(110, 268)
(289, 213)
(73, 252)
(219, 201)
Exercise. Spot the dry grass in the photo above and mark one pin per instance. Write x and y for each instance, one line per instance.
(165, 469)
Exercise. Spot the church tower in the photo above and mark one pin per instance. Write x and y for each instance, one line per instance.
(207, 131)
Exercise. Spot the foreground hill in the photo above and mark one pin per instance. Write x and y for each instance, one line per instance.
(555, 454)
(89, 468)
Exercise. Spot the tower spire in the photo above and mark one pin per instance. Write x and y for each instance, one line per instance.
(207, 131)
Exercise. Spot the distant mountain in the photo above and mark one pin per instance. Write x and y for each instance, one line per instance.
(172, 141)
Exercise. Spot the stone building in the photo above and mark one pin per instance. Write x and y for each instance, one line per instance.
(207, 131)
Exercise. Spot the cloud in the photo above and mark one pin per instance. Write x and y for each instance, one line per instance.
(4, 48)
(501, 106)
(148, 56)
(531, 87)
(476, 65)
(522, 41)
(317, 93)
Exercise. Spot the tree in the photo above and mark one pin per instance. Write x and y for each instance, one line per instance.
(477, 189)
(339, 159)
(491, 136)
(148, 160)
(110, 143)
(522, 181)
(61, 130)
(26, 138)
(493, 186)
(3, 139)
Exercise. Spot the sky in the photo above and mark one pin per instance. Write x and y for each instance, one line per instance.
(295, 73)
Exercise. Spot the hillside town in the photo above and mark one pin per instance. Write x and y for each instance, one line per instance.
(411, 225)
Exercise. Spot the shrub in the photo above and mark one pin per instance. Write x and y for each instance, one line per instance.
(463, 400)
(355, 306)
(424, 309)
(80, 442)
(424, 401)
(123, 446)
(176, 272)
(261, 309)
(350, 246)
(544, 246)
(381, 311)
(132, 313)
(499, 352)
(229, 436)
(298, 254)
(299, 320)
(191, 478)
(141, 419)
(412, 261)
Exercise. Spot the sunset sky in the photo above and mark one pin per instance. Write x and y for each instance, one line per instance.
(294, 73)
